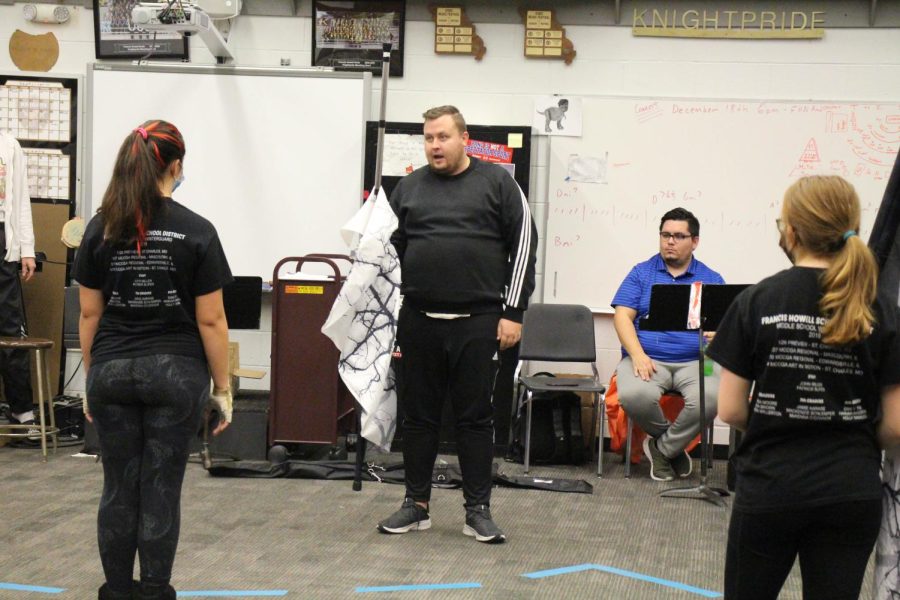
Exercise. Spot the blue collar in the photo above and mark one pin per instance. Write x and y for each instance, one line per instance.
(661, 265)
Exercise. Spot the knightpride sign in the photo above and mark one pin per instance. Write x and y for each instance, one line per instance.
(742, 24)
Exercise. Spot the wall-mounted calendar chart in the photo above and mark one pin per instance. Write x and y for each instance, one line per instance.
(36, 110)
(41, 112)
(49, 173)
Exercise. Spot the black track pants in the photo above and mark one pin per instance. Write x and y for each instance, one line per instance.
(15, 366)
(444, 358)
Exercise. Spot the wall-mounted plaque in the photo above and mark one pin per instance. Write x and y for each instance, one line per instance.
(545, 37)
(454, 33)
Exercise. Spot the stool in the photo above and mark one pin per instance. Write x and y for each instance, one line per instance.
(44, 399)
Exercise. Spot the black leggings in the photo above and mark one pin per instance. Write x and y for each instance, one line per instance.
(442, 358)
(833, 541)
(146, 410)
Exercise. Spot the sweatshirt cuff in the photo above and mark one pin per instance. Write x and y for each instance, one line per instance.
(512, 313)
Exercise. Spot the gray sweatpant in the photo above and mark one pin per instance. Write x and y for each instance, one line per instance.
(640, 399)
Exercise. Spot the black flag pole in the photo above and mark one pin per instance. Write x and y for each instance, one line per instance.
(379, 158)
(379, 152)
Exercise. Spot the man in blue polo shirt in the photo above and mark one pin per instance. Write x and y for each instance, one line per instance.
(655, 362)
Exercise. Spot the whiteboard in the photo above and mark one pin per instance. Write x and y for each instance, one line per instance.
(728, 162)
(274, 157)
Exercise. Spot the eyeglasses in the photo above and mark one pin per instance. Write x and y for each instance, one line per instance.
(780, 225)
(678, 237)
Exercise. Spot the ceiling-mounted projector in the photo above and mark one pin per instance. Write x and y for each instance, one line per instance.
(159, 16)
(184, 18)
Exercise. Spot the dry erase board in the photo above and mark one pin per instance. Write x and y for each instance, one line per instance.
(728, 162)
(274, 156)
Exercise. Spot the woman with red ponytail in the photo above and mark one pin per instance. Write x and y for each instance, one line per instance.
(152, 332)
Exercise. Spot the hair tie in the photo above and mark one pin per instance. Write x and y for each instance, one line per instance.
(849, 234)
(142, 132)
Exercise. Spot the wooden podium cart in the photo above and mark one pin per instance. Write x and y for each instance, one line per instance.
(309, 402)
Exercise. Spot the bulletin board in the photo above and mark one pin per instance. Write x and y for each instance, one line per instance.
(404, 151)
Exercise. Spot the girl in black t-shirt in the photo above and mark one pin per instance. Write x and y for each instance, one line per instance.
(152, 332)
(823, 357)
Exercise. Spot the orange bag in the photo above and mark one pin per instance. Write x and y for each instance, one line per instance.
(671, 405)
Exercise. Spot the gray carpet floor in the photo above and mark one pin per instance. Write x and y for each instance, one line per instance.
(317, 539)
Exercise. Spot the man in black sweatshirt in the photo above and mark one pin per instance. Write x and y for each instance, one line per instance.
(466, 244)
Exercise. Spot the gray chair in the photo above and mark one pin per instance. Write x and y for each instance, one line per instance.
(561, 333)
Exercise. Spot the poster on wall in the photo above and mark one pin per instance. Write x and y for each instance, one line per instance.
(557, 115)
(116, 36)
(349, 35)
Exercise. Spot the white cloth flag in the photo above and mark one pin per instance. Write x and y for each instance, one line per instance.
(363, 320)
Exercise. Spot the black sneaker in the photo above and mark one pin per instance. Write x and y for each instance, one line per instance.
(682, 464)
(660, 466)
(410, 517)
(480, 525)
(33, 434)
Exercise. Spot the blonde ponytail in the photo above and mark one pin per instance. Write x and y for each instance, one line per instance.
(849, 287)
(824, 212)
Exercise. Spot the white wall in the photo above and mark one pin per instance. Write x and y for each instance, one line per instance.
(848, 64)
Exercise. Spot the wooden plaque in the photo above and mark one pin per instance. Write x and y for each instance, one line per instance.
(545, 37)
(454, 33)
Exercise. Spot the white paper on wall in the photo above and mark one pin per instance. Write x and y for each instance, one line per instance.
(403, 154)
(557, 116)
(587, 169)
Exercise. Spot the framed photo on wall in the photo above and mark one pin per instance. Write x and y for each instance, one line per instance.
(348, 35)
(115, 36)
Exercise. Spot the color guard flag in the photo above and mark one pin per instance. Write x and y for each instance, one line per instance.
(363, 321)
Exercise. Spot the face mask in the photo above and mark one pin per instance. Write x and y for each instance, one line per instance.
(783, 245)
(178, 181)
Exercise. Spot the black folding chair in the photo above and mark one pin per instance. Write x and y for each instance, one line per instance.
(559, 333)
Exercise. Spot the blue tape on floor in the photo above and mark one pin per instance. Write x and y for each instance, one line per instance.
(562, 571)
(665, 582)
(425, 586)
(230, 593)
(30, 588)
(624, 573)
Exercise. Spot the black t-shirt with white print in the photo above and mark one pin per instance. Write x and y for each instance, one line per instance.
(150, 307)
(810, 437)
